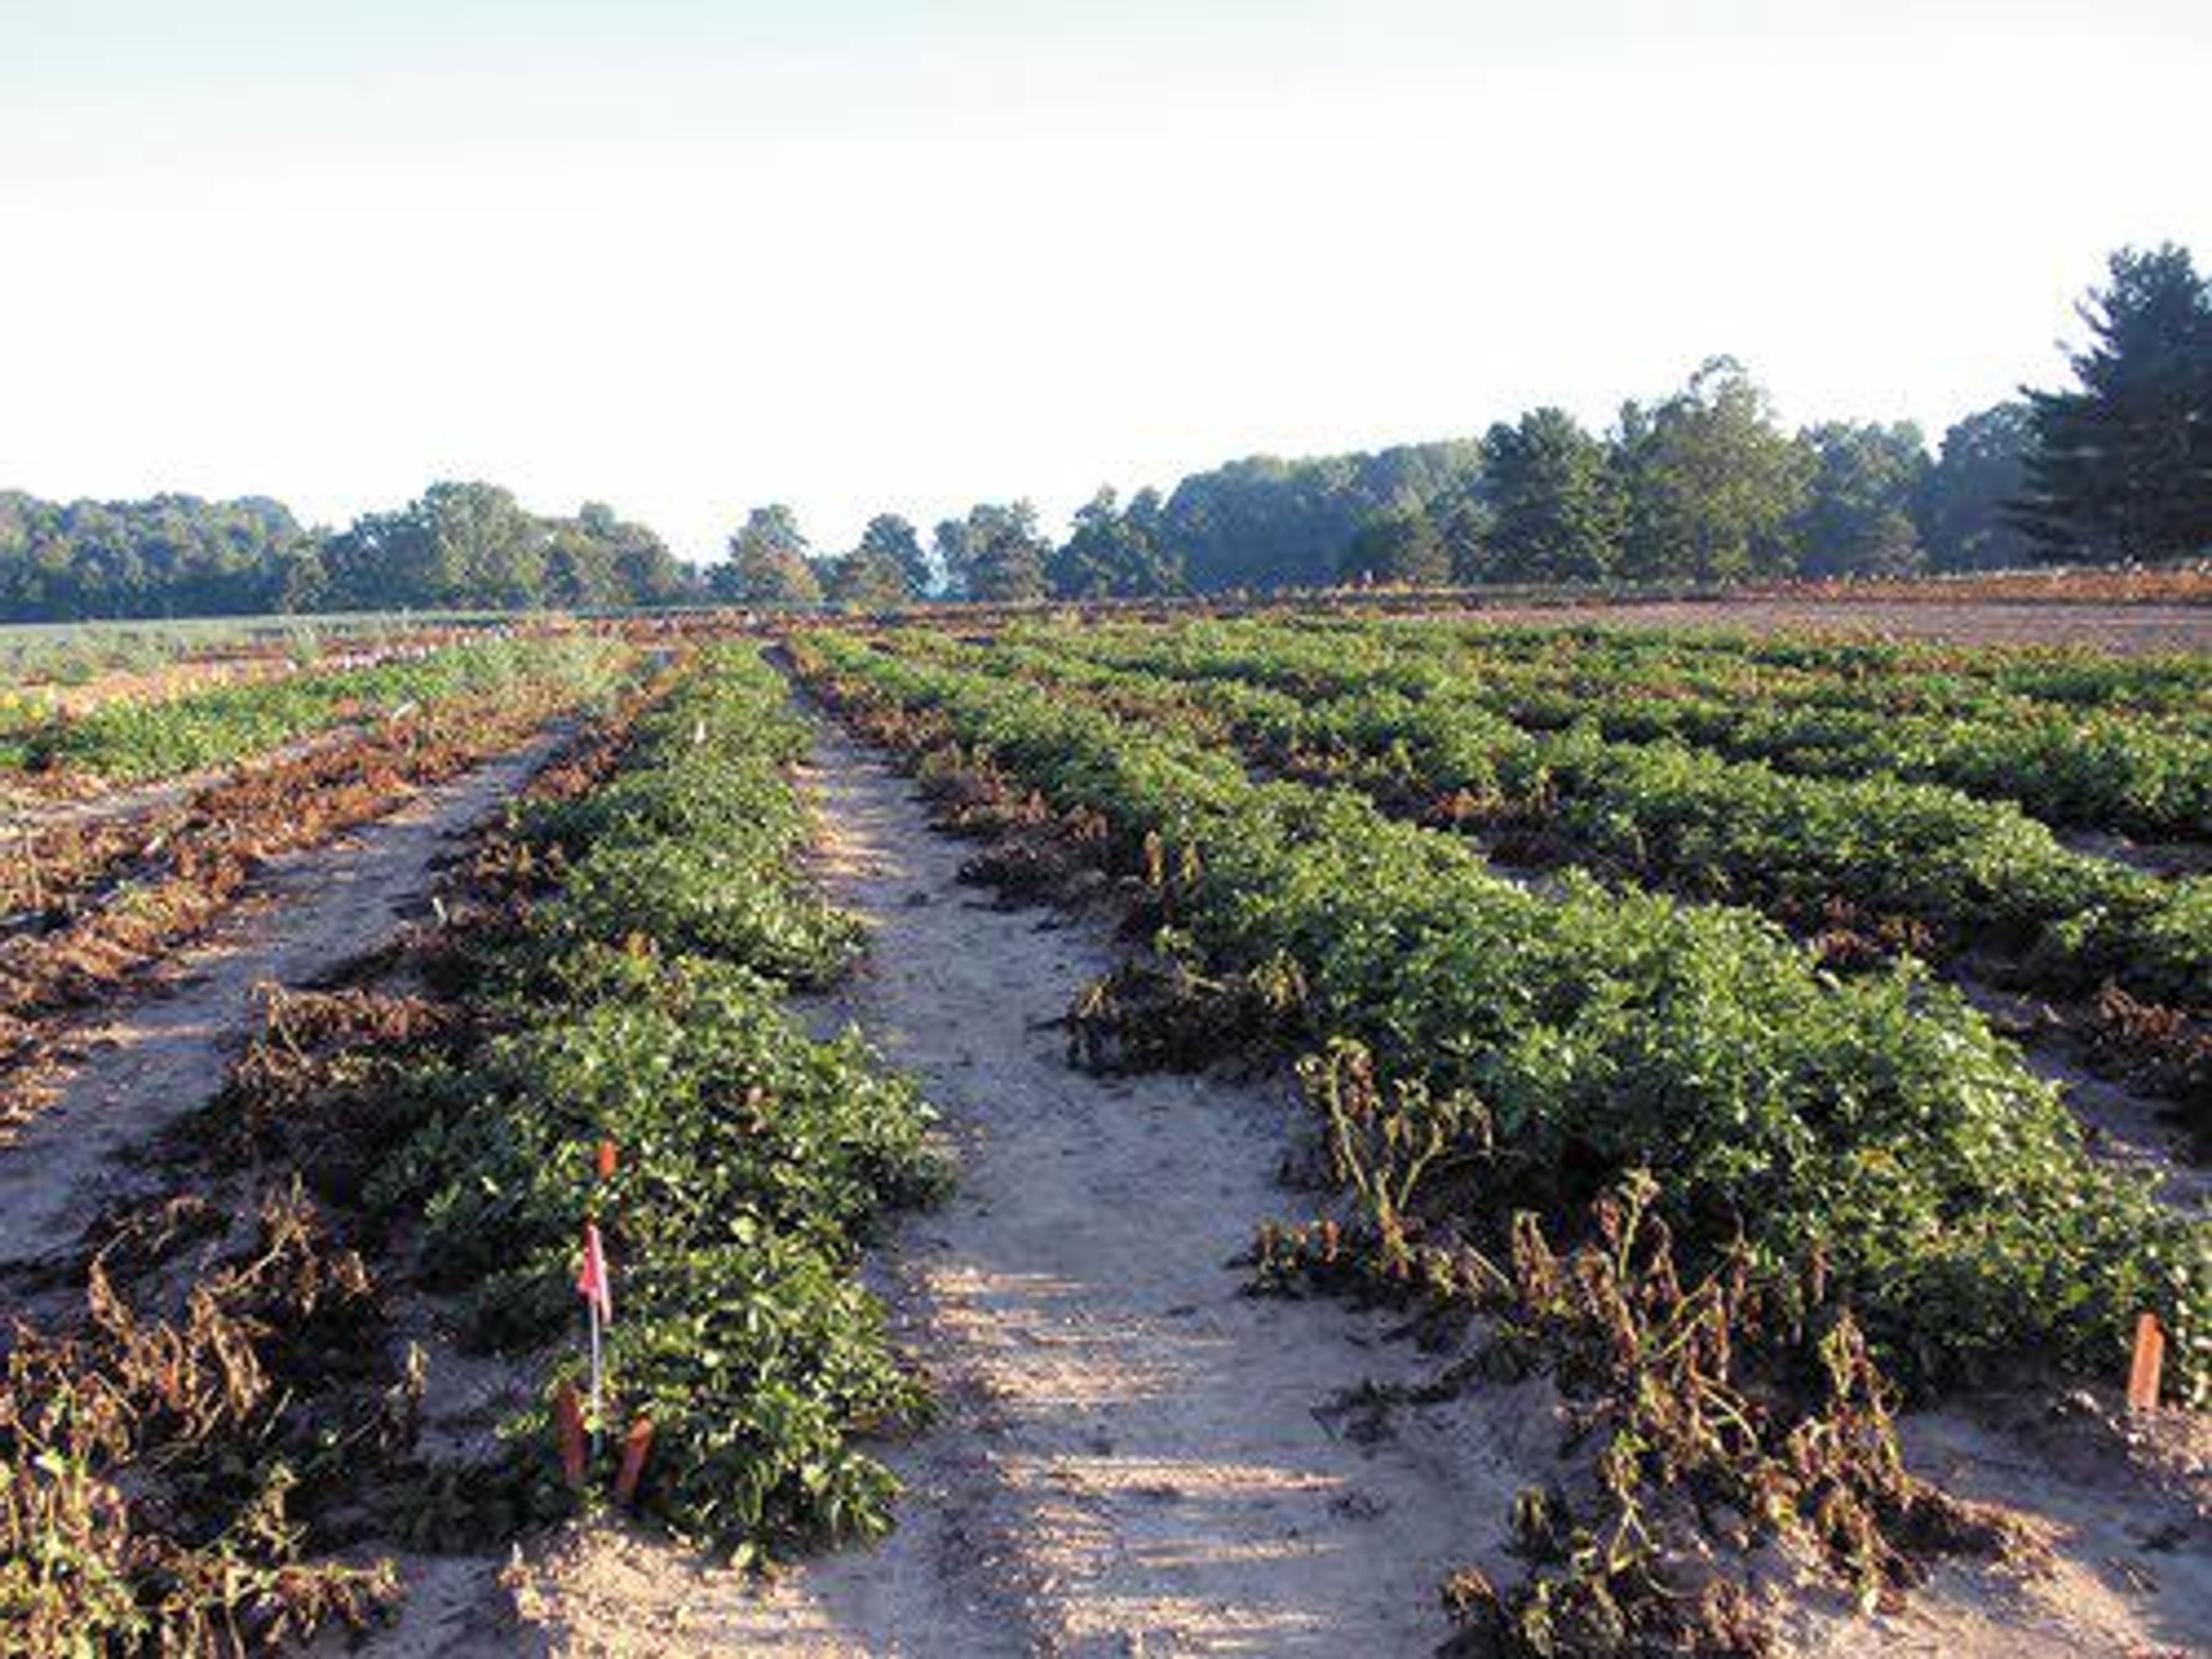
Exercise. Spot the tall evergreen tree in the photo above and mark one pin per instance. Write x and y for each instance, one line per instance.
(2122, 469)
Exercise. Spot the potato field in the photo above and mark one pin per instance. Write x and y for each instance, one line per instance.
(1302, 1131)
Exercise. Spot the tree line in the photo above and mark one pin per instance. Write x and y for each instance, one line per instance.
(458, 546)
(1701, 485)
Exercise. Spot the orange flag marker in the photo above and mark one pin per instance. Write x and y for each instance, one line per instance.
(2150, 1357)
(606, 1159)
(568, 1424)
(635, 1445)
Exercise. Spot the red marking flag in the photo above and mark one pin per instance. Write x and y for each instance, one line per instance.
(593, 1283)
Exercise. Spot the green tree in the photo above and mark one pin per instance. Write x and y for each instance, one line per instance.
(1981, 470)
(1714, 487)
(1002, 553)
(1465, 522)
(1403, 549)
(1556, 508)
(891, 537)
(458, 544)
(643, 570)
(2123, 468)
(1866, 478)
(579, 569)
(767, 563)
(167, 556)
(1110, 553)
(461, 545)
(869, 578)
(500, 549)
(1264, 522)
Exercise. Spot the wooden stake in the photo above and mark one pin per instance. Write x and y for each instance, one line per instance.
(2150, 1357)
(568, 1424)
(635, 1445)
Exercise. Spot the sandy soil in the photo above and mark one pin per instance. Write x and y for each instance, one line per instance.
(1134, 1456)
(144, 1061)
(2123, 1508)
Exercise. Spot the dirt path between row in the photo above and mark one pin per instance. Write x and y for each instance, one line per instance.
(1134, 1456)
(160, 1051)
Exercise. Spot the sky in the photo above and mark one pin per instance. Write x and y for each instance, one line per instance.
(686, 258)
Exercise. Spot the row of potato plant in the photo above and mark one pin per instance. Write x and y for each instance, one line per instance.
(193, 1453)
(213, 1403)
(1874, 1127)
(2096, 767)
(90, 903)
(133, 739)
(643, 1001)
(1934, 674)
(1974, 873)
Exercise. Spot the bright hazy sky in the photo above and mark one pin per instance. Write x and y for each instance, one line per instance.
(684, 256)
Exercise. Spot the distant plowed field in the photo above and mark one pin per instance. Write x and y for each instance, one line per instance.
(2129, 629)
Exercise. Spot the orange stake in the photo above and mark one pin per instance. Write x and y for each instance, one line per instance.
(635, 1447)
(2150, 1357)
(606, 1159)
(568, 1424)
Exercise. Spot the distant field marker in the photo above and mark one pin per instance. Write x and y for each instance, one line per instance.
(635, 1445)
(2150, 1357)
(568, 1424)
